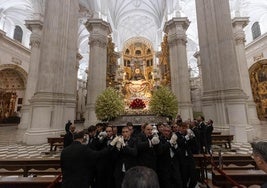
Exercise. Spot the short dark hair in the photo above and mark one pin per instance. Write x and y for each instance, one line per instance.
(260, 148)
(91, 128)
(140, 177)
(78, 135)
(129, 124)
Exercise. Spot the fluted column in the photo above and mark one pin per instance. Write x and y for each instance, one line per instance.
(54, 101)
(223, 99)
(175, 29)
(239, 35)
(36, 28)
(97, 69)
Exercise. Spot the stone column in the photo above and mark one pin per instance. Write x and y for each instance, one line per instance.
(239, 35)
(175, 29)
(223, 99)
(78, 86)
(54, 100)
(97, 69)
(36, 28)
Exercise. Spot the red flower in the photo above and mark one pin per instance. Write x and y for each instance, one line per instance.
(137, 104)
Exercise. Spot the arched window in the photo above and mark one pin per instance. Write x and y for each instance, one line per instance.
(127, 51)
(18, 33)
(256, 30)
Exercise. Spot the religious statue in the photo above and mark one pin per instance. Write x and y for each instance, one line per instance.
(137, 74)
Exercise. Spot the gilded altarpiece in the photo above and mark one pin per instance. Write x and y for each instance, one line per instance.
(164, 63)
(138, 78)
(112, 66)
(258, 79)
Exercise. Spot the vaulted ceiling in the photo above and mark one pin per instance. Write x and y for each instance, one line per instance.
(130, 18)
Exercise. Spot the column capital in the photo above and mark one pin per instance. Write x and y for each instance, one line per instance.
(176, 28)
(240, 21)
(35, 40)
(99, 31)
(34, 24)
(238, 24)
(98, 26)
(179, 23)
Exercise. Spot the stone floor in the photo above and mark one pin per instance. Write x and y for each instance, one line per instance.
(11, 145)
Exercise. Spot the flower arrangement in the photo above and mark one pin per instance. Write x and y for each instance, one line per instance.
(109, 105)
(163, 103)
(137, 104)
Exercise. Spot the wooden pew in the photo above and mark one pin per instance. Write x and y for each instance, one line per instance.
(216, 133)
(228, 162)
(25, 167)
(28, 182)
(222, 139)
(242, 177)
(55, 142)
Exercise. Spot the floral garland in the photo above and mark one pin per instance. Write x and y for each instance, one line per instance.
(137, 104)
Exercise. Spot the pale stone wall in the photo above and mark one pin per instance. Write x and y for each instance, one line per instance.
(256, 50)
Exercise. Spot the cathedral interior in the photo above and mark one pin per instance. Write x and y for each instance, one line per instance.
(52, 72)
(58, 56)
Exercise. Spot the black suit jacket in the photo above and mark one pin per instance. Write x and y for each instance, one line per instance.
(127, 156)
(68, 139)
(146, 155)
(74, 161)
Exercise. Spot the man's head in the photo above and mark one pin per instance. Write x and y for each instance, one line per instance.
(130, 126)
(140, 177)
(148, 130)
(167, 132)
(78, 136)
(72, 128)
(114, 130)
(160, 127)
(200, 118)
(183, 128)
(126, 132)
(175, 128)
(109, 131)
(92, 131)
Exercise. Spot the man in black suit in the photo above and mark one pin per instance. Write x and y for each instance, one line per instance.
(147, 144)
(186, 139)
(202, 128)
(74, 161)
(209, 131)
(125, 154)
(68, 137)
(168, 166)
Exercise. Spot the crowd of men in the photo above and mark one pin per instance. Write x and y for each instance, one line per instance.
(101, 157)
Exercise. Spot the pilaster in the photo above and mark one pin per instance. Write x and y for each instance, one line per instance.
(54, 100)
(239, 36)
(35, 26)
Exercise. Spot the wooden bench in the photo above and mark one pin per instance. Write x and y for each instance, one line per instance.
(216, 133)
(227, 161)
(25, 167)
(55, 142)
(28, 182)
(242, 177)
(222, 140)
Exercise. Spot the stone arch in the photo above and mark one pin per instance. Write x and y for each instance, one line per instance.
(137, 40)
(12, 87)
(23, 74)
(258, 80)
